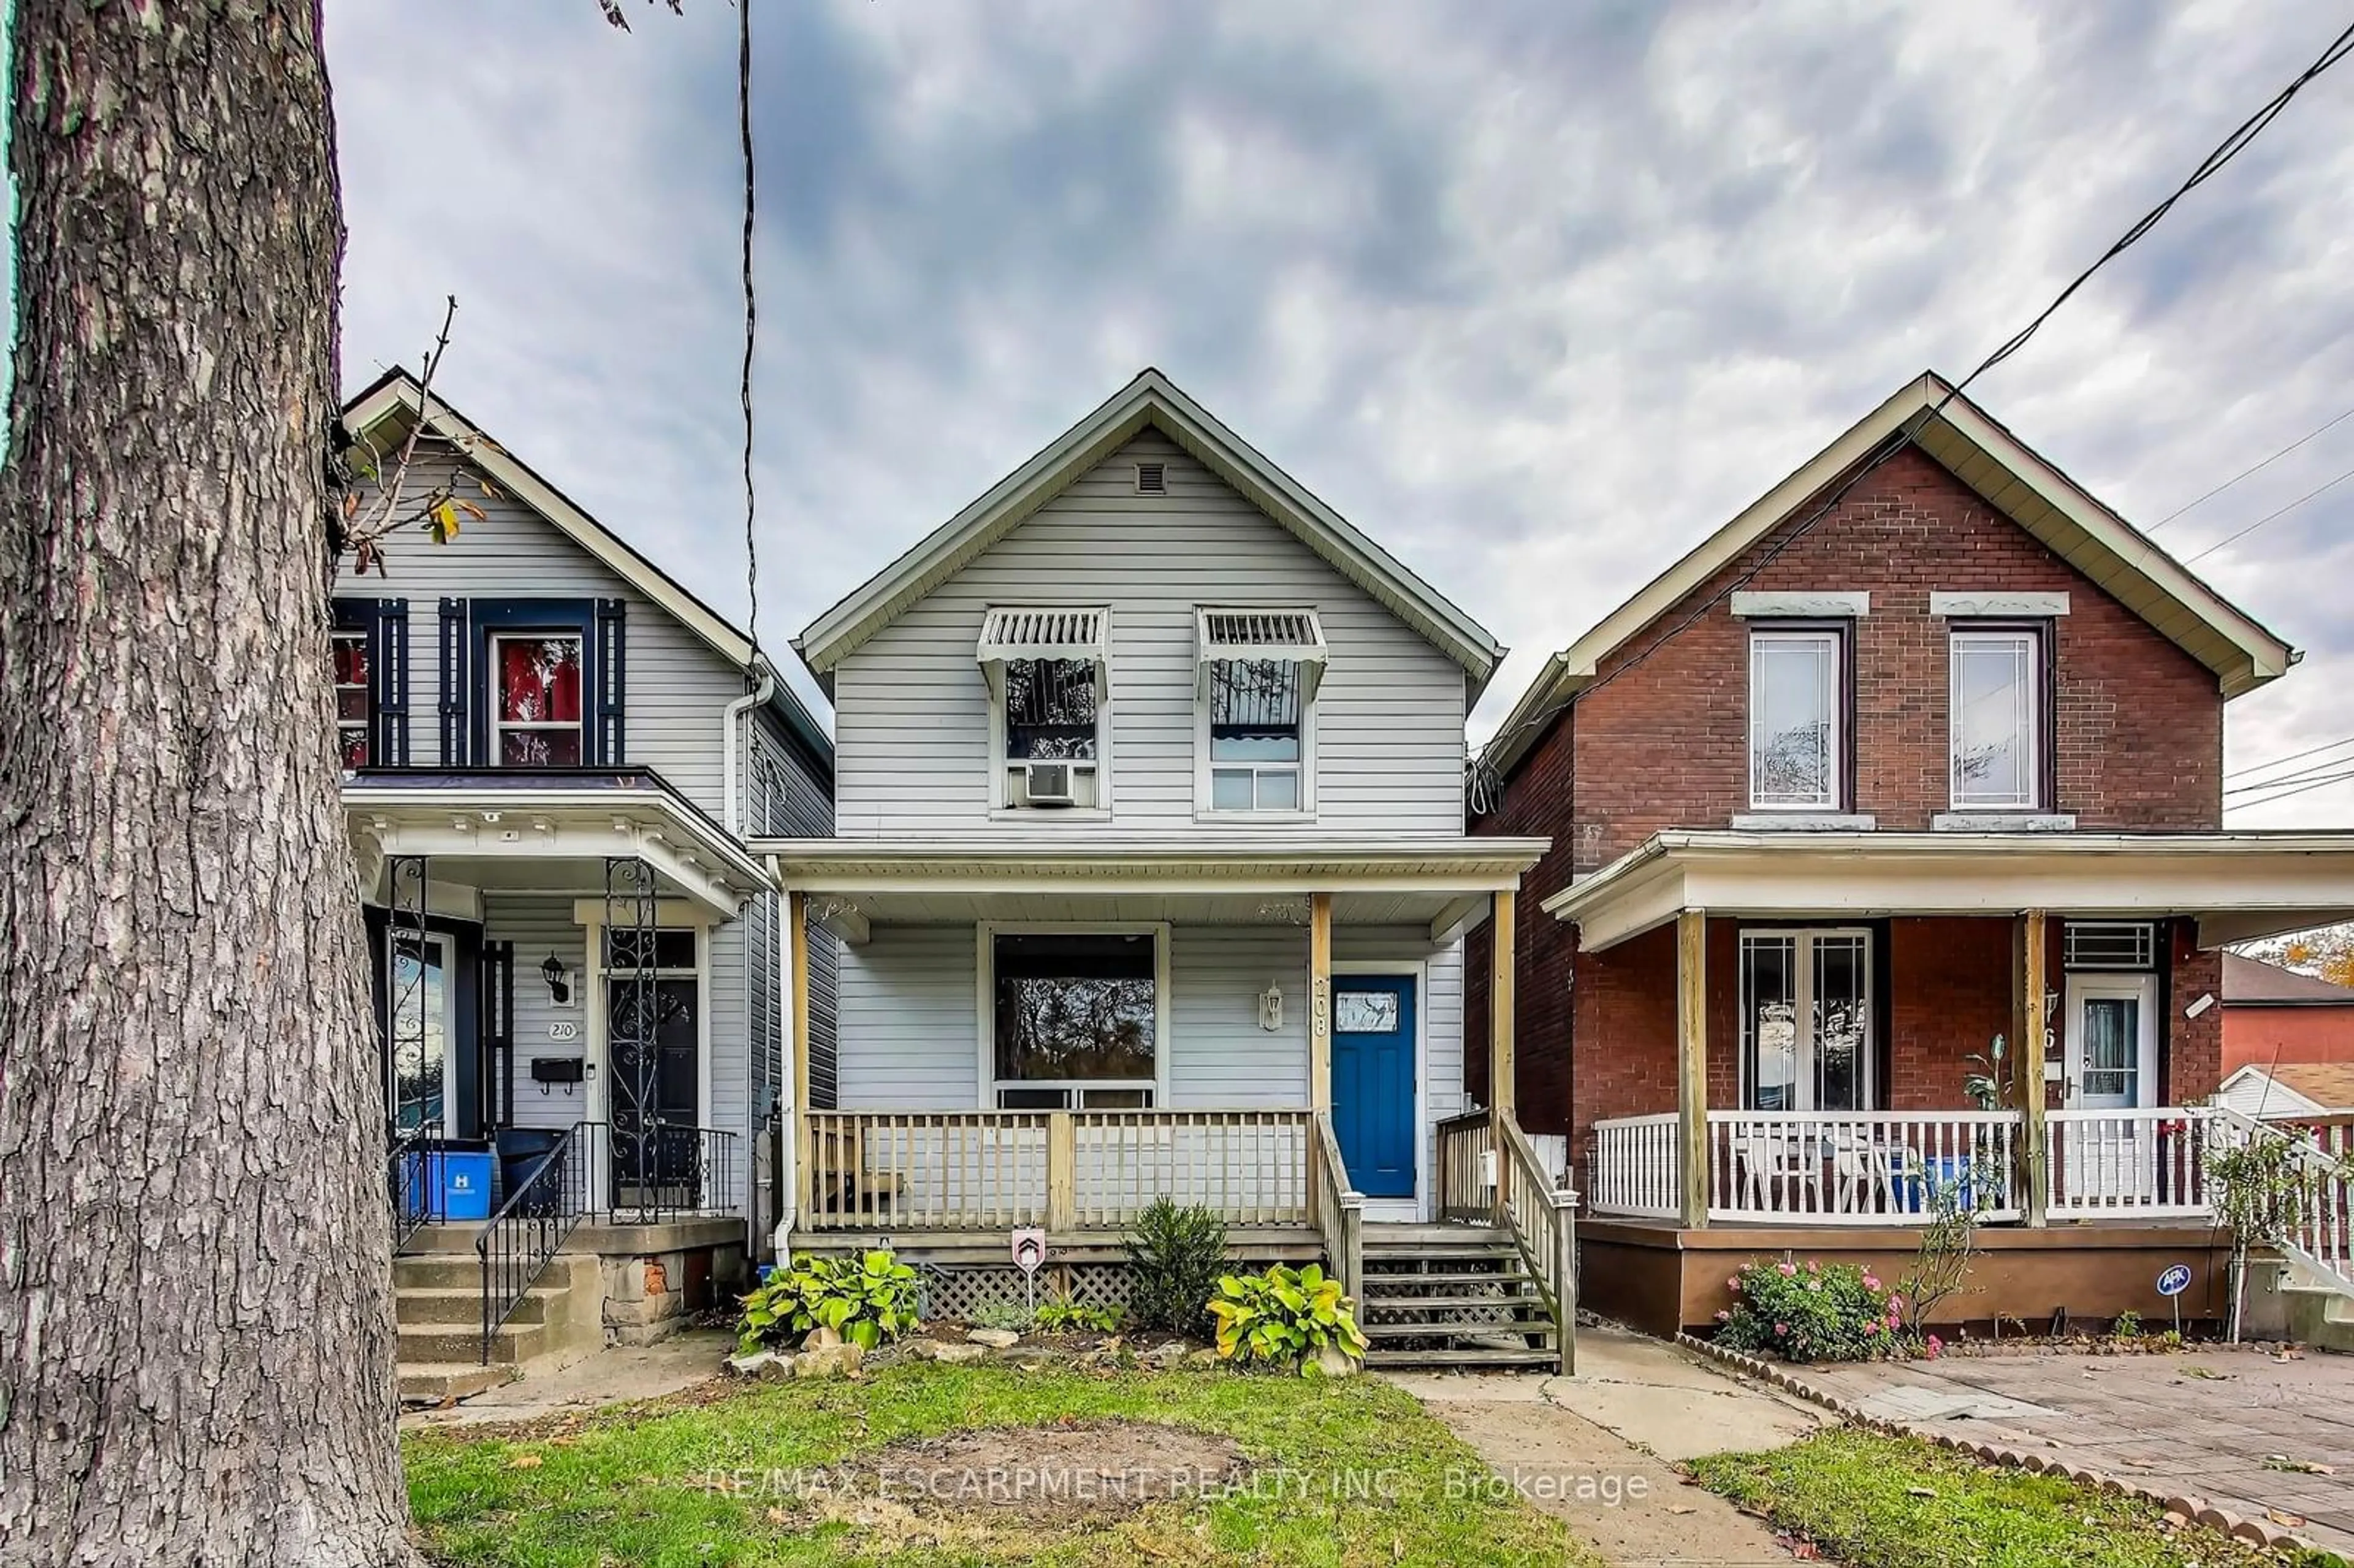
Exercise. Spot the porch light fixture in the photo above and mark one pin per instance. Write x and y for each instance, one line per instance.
(552, 970)
(1270, 1008)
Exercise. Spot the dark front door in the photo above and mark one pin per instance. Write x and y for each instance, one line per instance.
(651, 1030)
(1373, 1082)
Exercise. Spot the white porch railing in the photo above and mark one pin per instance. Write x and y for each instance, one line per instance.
(1635, 1167)
(933, 1171)
(2145, 1163)
(1859, 1167)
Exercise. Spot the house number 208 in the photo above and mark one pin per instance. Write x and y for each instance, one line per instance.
(564, 1029)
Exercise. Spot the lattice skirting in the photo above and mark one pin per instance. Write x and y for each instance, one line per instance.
(953, 1291)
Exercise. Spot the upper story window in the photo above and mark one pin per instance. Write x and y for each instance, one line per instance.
(536, 718)
(1046, 673)
(1258, 673)
(1995, 718)
(1798, 718)
(355, 698)
(368, 652)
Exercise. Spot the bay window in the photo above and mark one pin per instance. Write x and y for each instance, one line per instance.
(1805, 1021)
(1075, 1018)
(1797, 746)
(1995, 719)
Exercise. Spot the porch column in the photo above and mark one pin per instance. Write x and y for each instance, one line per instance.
(1502, 1062)
(1320, 1001)
(2029, 1032)
(797, 950)
(1692, 1062)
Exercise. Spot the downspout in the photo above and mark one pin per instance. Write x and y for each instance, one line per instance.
(731, 721)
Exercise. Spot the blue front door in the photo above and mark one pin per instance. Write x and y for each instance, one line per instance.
(1373, 1082)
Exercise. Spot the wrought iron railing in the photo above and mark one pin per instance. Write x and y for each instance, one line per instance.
(530, 1227)
(412, 1181)
(657, 1172)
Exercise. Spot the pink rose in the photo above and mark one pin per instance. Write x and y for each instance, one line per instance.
(1781, 1327)
(1787, 1270)
(1733, 1285)
(1870, 1283)
(1897, 1304)
(1722, 1316)
(1936, 1346)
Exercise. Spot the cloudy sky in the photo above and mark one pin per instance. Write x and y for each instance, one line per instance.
(1538, 293)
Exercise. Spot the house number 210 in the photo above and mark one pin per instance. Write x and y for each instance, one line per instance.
(564, 1029)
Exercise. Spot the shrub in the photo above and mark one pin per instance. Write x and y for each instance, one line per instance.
(1810, 1312)
(1176, 1256)
(1010, 1315)
(1062, 1315)
(865, 1299)
(1285, 1316)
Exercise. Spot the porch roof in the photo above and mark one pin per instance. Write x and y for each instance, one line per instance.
(1212, 877)
(547, 832)
(2238, 886)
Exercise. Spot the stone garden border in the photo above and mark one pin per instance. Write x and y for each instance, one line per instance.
(1792, 1380)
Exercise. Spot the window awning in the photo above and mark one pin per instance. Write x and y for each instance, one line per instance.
(1285, 636)
(1056, 631)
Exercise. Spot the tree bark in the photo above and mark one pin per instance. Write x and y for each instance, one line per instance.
(195, 1334)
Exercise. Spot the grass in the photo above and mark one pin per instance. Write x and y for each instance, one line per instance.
(632, 1486)
(1898, 1503)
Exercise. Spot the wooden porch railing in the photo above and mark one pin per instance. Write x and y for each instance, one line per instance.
(1489, 1172)
(1635, 1167)
(2322, 1236)
(1339, 1209)
(2147, 1163)
(933, 1171)
(1859, 1167)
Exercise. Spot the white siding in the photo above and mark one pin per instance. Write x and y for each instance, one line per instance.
(912, 717)
(909, 1037)
(1219, 1058)
(677, 684)
(538, 927)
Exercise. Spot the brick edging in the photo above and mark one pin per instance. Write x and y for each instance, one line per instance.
(2258, 1532)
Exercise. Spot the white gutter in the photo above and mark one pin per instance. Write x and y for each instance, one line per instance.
(730, 723)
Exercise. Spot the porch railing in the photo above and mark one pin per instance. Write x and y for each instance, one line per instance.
(656, 1173)
(1467, 1168)
(911, 1170)
(1339, 1209)
(1489, 1174)
(412, 1184)
(2322, 1236)
(1636, 1167)
(1859, 1167)
(531, 1226)
(2141, 1163)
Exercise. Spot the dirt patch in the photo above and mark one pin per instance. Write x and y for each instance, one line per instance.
(1068, 1473)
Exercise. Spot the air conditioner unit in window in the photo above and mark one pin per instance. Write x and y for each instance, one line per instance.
(1049, 784)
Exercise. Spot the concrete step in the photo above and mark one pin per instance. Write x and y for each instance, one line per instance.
(425, 1343)
(2320, 1316)
(441, 1239)
(464, 1306)
(437, 1272)
(1465, 1361)
(439, 1382)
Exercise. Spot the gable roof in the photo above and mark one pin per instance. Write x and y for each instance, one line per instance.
(2012, 478)
(2251, 981)
(2290, 1089)
(396, 395)
(1151, 399)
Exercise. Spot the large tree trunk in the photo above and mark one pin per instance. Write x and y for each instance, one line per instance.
(195, 1341)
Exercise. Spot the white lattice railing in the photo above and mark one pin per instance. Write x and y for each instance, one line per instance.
(1634, 1166)
(930, 1171)
(2323, 1237)
(2136, 1163)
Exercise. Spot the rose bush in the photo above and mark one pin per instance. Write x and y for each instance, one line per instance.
(1810, 1312)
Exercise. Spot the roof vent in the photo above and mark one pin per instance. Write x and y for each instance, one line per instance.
(1151, 478)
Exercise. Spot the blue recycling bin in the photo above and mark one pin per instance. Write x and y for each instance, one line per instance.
(449, 1183)
(1912, 1177)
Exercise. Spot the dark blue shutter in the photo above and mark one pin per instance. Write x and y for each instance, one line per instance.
(391, 668)
(494, 1008)
(610, 743)
(453, 683)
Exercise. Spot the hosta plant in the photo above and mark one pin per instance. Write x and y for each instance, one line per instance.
(865, 1299)
(1284, 1316)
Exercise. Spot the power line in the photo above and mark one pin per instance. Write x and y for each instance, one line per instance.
(751, 317)
(2267, 517)
(2231, 147)
(2310, 770)
(2323, 782)
(2243, 474)
(2292, 756)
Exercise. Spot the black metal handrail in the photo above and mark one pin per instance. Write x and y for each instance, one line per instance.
(523, 1237)
(412, 1187)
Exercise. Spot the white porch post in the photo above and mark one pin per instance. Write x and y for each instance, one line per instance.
(1691, 1064)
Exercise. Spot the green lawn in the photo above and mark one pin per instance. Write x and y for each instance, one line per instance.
(1889, 1502)
(634, 1486)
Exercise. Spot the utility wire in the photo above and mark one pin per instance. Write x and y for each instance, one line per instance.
(752, 316)
(2246, 132)
(2292, 756)
(2309, 771)
(2267, 517)
(2312, 784)
(2246, 472)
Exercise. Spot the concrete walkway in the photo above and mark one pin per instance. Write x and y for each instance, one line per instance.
(2262, 1437)
(616, 1376)
(1599, 1450)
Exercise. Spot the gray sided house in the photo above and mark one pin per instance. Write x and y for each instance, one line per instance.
(1150, 876)
(554, 755)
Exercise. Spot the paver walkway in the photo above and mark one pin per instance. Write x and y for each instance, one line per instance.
(2235, 1427)
(1597, 1450)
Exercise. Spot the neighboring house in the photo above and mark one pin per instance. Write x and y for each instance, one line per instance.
(555, 754)
(1922, 750)
(1151, 876)
(2290, 1091)
(2273, 1015)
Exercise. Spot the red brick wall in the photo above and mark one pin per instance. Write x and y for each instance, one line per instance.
(2191, 1050)
(2265, 1035)
(2138, 745)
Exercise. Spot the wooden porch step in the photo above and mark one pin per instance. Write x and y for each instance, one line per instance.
(1375, 1286)
(1394, 1235)
(1447, 1303)
(1467, 1360)
(1516, 1328)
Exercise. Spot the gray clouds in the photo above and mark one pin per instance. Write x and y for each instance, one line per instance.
(1537, 295)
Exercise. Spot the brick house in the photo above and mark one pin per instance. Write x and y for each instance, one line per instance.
(1922, 750)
